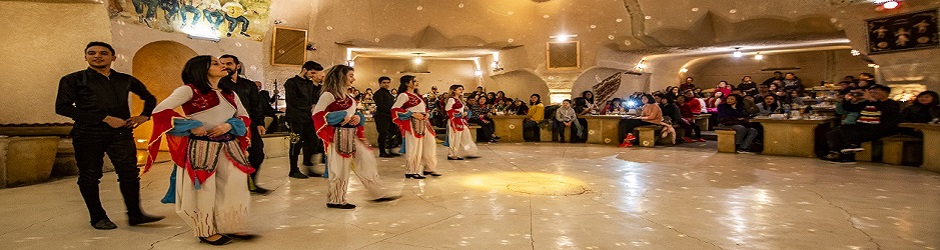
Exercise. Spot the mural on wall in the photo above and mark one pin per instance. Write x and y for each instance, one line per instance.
(917, 30)
(604, 90)
(246, 19)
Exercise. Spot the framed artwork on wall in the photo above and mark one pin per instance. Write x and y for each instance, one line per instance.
(910, 31)
(563, 55)
(289, 47)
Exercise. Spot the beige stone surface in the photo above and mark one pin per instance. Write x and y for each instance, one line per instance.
(662, 198)
(26, 160)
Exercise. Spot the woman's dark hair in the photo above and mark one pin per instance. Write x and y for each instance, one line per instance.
(936, 99)
(196, 72)
(404, 80)
(649, 99)
(616, 100)
(455, 87)
(500, 94)
(538, 99)
(665, 97)
(584, 95)
(772, 106)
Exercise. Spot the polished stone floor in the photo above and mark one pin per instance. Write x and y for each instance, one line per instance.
(536, 196)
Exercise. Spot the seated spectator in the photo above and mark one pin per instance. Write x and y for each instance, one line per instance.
(502, 105)
(712, 103)
(770, 105)
(614, 107)
(491, 99)
(878, 117)
(793, 99)
(923, 110)
(865, 83)
(518, 108)
(791, 82)
(724, 88)
(763, 90)
(748, 102)
(671, 113)
(687, 85)
(535, 116)
(500, 95)
(688, 110)
(480, 115)
(778, 76)
(566, 117)
(731, 114)
(651, 115)
(748, 87)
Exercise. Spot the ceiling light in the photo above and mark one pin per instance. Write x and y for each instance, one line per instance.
(758, 57)
(890, 5)
(418, 60)
(683, 70)
(563, 37)
(737, 53)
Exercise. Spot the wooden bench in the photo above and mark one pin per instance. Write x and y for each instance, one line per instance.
(897, 149)
(473, 131)
(26, 160)
(726, 140)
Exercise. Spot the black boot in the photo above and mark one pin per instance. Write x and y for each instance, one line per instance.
(131, 192)
(93, 202)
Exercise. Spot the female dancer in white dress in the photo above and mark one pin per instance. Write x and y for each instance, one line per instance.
(410, 113)
(207, 145)
(459, 140)
(340, 127)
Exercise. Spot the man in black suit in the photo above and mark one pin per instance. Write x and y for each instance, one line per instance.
(383, 115)
(247, 91)
(302, 93)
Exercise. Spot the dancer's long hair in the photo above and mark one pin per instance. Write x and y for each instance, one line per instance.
(336, 80)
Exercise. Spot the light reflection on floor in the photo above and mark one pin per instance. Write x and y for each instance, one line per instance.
(541, 196)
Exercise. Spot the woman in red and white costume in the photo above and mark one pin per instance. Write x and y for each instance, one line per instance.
(410, 113)
(340, 127)
(208, 147)
(459, 140)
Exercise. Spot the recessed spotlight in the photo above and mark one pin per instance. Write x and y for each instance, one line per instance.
(890, 5)
(758, 57)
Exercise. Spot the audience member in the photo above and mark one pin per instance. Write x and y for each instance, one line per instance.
(878, 117)
(731, 114)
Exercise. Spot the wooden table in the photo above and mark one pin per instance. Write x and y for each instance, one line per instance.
(603, 129)
(931, 144)
(509, 127)
(790, 137)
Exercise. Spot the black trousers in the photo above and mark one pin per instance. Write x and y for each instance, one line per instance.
(308, 142)
(255, 151)
(383, 123)
(854, 134)
(485, 133)
(90, 150)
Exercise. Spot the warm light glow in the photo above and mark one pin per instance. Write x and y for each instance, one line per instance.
(529, 183)
(563, 37)
(758, 57)
(141, 140)
(855, 52)
(478, 73)
(890, 5)
(683, 70)
(351, 63)
(737, 54)
(418, 60)
(641, 66)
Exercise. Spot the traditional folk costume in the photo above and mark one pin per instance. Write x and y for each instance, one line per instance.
(346, 148)
(210, 191)
(420, 145)
(459, 140)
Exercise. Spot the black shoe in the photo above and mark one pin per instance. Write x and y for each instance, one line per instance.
(414, 176)
(243, 236)
(245, 34)
(298, 175)
(260, 190)
(472, 157)
(221, 241)
(390, 198)
(431, 173)
(143, 219)
(454, 159)
(393, 154)
(385, 155)
(341, 206)
(104, 224)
